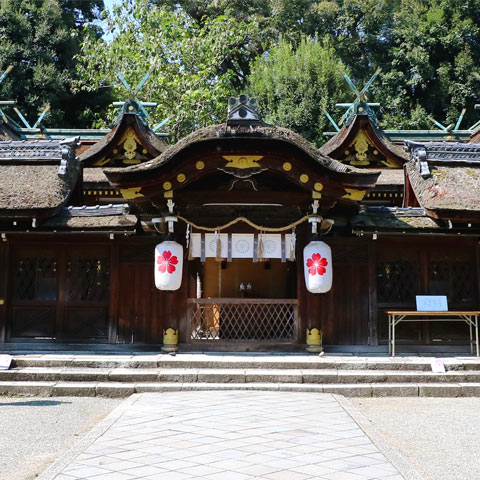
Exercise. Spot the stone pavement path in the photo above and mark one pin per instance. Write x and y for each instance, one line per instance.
(232, 435)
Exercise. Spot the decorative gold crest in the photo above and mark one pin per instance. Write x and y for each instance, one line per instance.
(353, 194)
(242, 161)
(131, 193)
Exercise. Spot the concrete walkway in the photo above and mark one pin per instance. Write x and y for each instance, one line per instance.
(225, 435)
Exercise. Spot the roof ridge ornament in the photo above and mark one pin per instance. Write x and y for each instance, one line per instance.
(132, 104)
(360, 106)
(243, 110)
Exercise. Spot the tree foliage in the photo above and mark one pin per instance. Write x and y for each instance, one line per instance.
(40, 39)
(189, 80)
(296, 86)
(204, 51)
(427, 49)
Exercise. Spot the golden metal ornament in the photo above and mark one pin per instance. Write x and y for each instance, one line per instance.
(101, 162)
(131, 193)
(361, 144)
(167, 185)
(287, 166)
(318, 186)
(242, 161)
(181, 177)
(130, 147)
(200, 165)
(353, 194)
(304, 178)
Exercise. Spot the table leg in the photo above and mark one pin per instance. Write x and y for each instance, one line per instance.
(389, 334)
(393, 337)
(476, 334)
(471, 334)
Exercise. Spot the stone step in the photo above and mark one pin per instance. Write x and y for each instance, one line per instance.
(113, 389)
(237, 376)
(239, 361)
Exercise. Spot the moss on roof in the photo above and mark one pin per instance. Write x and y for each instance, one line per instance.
(391, 176)
(448, 188)
(126, 221)
(34, 187)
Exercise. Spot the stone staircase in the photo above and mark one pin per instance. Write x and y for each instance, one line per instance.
(110, 375)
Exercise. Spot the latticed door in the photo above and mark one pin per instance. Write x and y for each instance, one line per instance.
(422, 268)
(60, 294)
(87, 292)
(452, 274)
(34, 294)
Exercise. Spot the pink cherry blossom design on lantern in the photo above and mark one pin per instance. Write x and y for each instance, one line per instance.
(167, 262)
(317, 264)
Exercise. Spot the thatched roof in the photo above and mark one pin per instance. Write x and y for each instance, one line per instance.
(224, 131)
(95, 178)
(393, 219)
(36, 178)
(445, 176)
(391, 176)
(341, 142)
(99, 217)
(150, 142)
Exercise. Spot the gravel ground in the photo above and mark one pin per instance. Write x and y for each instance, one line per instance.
(439, 437)
(36, 431)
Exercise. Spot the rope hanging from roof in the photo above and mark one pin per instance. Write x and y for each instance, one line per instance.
(260, 228)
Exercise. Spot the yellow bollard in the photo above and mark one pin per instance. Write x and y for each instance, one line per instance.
(314, 340)
(170, 340)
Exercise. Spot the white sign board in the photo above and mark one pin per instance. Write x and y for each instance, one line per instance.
(437, 365)
(5, 362)
(432, 303)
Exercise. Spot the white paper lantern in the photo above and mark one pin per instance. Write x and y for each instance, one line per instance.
(317, 265)
(168, 265)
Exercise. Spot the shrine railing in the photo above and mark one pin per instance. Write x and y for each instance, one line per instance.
(243, 319)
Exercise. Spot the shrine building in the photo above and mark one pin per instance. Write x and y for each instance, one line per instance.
(241, 235)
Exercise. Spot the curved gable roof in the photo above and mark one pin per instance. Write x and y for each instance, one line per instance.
(362, 123)
(224, 131)
(150, 142)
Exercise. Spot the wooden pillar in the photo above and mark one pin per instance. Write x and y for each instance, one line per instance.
(4, 247)
(372, 292)
(114, 293)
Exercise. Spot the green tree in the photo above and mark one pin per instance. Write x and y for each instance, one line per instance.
(427, 49)
(295, 86)
(40, 39)
(189, 80)
(431, 65)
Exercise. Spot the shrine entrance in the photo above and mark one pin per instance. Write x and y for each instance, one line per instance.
(243, 300)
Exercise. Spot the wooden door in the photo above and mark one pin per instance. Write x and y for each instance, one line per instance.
(34, 293)
(59, 293)
(344, 311)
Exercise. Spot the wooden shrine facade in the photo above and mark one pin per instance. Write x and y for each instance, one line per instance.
(241, 197)
(102, 290)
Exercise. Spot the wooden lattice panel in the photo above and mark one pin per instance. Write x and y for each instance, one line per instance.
(243, 319)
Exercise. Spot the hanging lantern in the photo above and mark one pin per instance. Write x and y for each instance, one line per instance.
(317, 265)
(168, 265)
